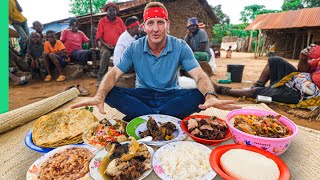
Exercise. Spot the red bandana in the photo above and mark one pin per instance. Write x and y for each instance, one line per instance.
(133, 24)
(155, 12)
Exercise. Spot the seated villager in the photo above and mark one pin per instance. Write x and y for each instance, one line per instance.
(55, 54)
(198, 40)
(287, 84)
(126, 38)
(156, 59)
(35, 55)
(229, 52)
(72, 39)
(37, 26)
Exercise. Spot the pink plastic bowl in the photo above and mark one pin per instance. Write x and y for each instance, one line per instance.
(276, 146)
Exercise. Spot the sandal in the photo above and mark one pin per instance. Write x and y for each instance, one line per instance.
(258, 84)
(83, 91)
(224, 90)
(23, 81)
(48, 78)
(61, 78)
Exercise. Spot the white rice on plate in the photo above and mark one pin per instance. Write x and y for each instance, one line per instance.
(183, 162)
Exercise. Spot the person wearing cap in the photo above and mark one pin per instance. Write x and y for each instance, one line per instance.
(126, 38)
(156, 59)
(198, 40)
(109, 30)
(72, 39)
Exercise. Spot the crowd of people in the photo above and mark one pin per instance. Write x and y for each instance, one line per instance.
(155, 56)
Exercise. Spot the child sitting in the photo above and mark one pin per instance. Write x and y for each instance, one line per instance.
(35, 55)
(229, 51)
(54, 55)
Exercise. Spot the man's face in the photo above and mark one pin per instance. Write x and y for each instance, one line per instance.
(193, 28)
(38, 27)
(135, 30)
(156, 29)
(74, 27)
(51, 38)
(112, 12)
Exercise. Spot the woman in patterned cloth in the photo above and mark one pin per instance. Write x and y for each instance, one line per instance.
(287, 84)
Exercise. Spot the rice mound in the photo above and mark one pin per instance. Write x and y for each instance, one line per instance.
(185, 163)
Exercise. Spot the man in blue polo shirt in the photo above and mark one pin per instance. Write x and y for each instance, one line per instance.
(156, 59)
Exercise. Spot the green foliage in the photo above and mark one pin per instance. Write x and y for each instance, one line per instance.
(82, 7)
(89, 108)
(223, 18)
(221, 30)
(311, 3)
(250, 12)
(292, 5)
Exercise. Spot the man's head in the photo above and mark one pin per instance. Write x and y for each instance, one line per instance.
(35, 38)
(74, 24)
(112, 9)
(132, 24)
(156, 22)
(193, 25)
(36, 25)
(51, 36)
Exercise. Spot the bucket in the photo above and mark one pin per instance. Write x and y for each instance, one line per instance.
(236, 71)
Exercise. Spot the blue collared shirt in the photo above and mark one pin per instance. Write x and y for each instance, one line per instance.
(157, 73)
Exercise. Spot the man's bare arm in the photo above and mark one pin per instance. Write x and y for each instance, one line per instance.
(108, 82)
(205, 85)
(203, 82)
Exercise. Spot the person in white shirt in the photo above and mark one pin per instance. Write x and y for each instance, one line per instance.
(126, 38)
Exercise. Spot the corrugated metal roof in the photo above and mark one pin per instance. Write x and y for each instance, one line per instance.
(307, 17)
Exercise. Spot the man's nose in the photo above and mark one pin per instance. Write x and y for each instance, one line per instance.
(155, 27)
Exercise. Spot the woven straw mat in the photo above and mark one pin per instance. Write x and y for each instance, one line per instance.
(302, 157)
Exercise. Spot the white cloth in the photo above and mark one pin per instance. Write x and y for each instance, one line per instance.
(123, 42)
(186, 82)
(212, 61)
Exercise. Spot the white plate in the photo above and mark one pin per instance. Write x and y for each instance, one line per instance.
(158, 169)
(140, 124)
(35, 167)
(96, 162)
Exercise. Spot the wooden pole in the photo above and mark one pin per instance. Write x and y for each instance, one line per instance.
(308, 40)
(256, 49)
(303, 39)
(263, 45)
(250, 39)
(294, 46)
(91, 27)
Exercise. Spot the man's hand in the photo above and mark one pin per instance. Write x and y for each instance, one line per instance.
(94, 101)
(220, 104)
(110, 46)
(307, 51)
(190, 34)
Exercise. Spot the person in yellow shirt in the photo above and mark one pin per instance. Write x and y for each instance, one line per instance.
(19, 22)
(272, 50)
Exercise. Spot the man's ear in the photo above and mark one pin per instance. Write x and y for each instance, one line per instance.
(168, 26)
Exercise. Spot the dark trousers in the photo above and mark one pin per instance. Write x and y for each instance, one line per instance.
(135, 102)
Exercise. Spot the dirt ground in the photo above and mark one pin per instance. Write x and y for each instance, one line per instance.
(37, 90)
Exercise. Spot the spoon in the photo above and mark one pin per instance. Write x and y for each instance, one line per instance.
(143, 140)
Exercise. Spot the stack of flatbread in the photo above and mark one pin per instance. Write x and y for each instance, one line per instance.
(62, 128)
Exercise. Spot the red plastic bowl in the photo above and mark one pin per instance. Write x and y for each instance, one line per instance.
(201, 140)
(215, 155)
